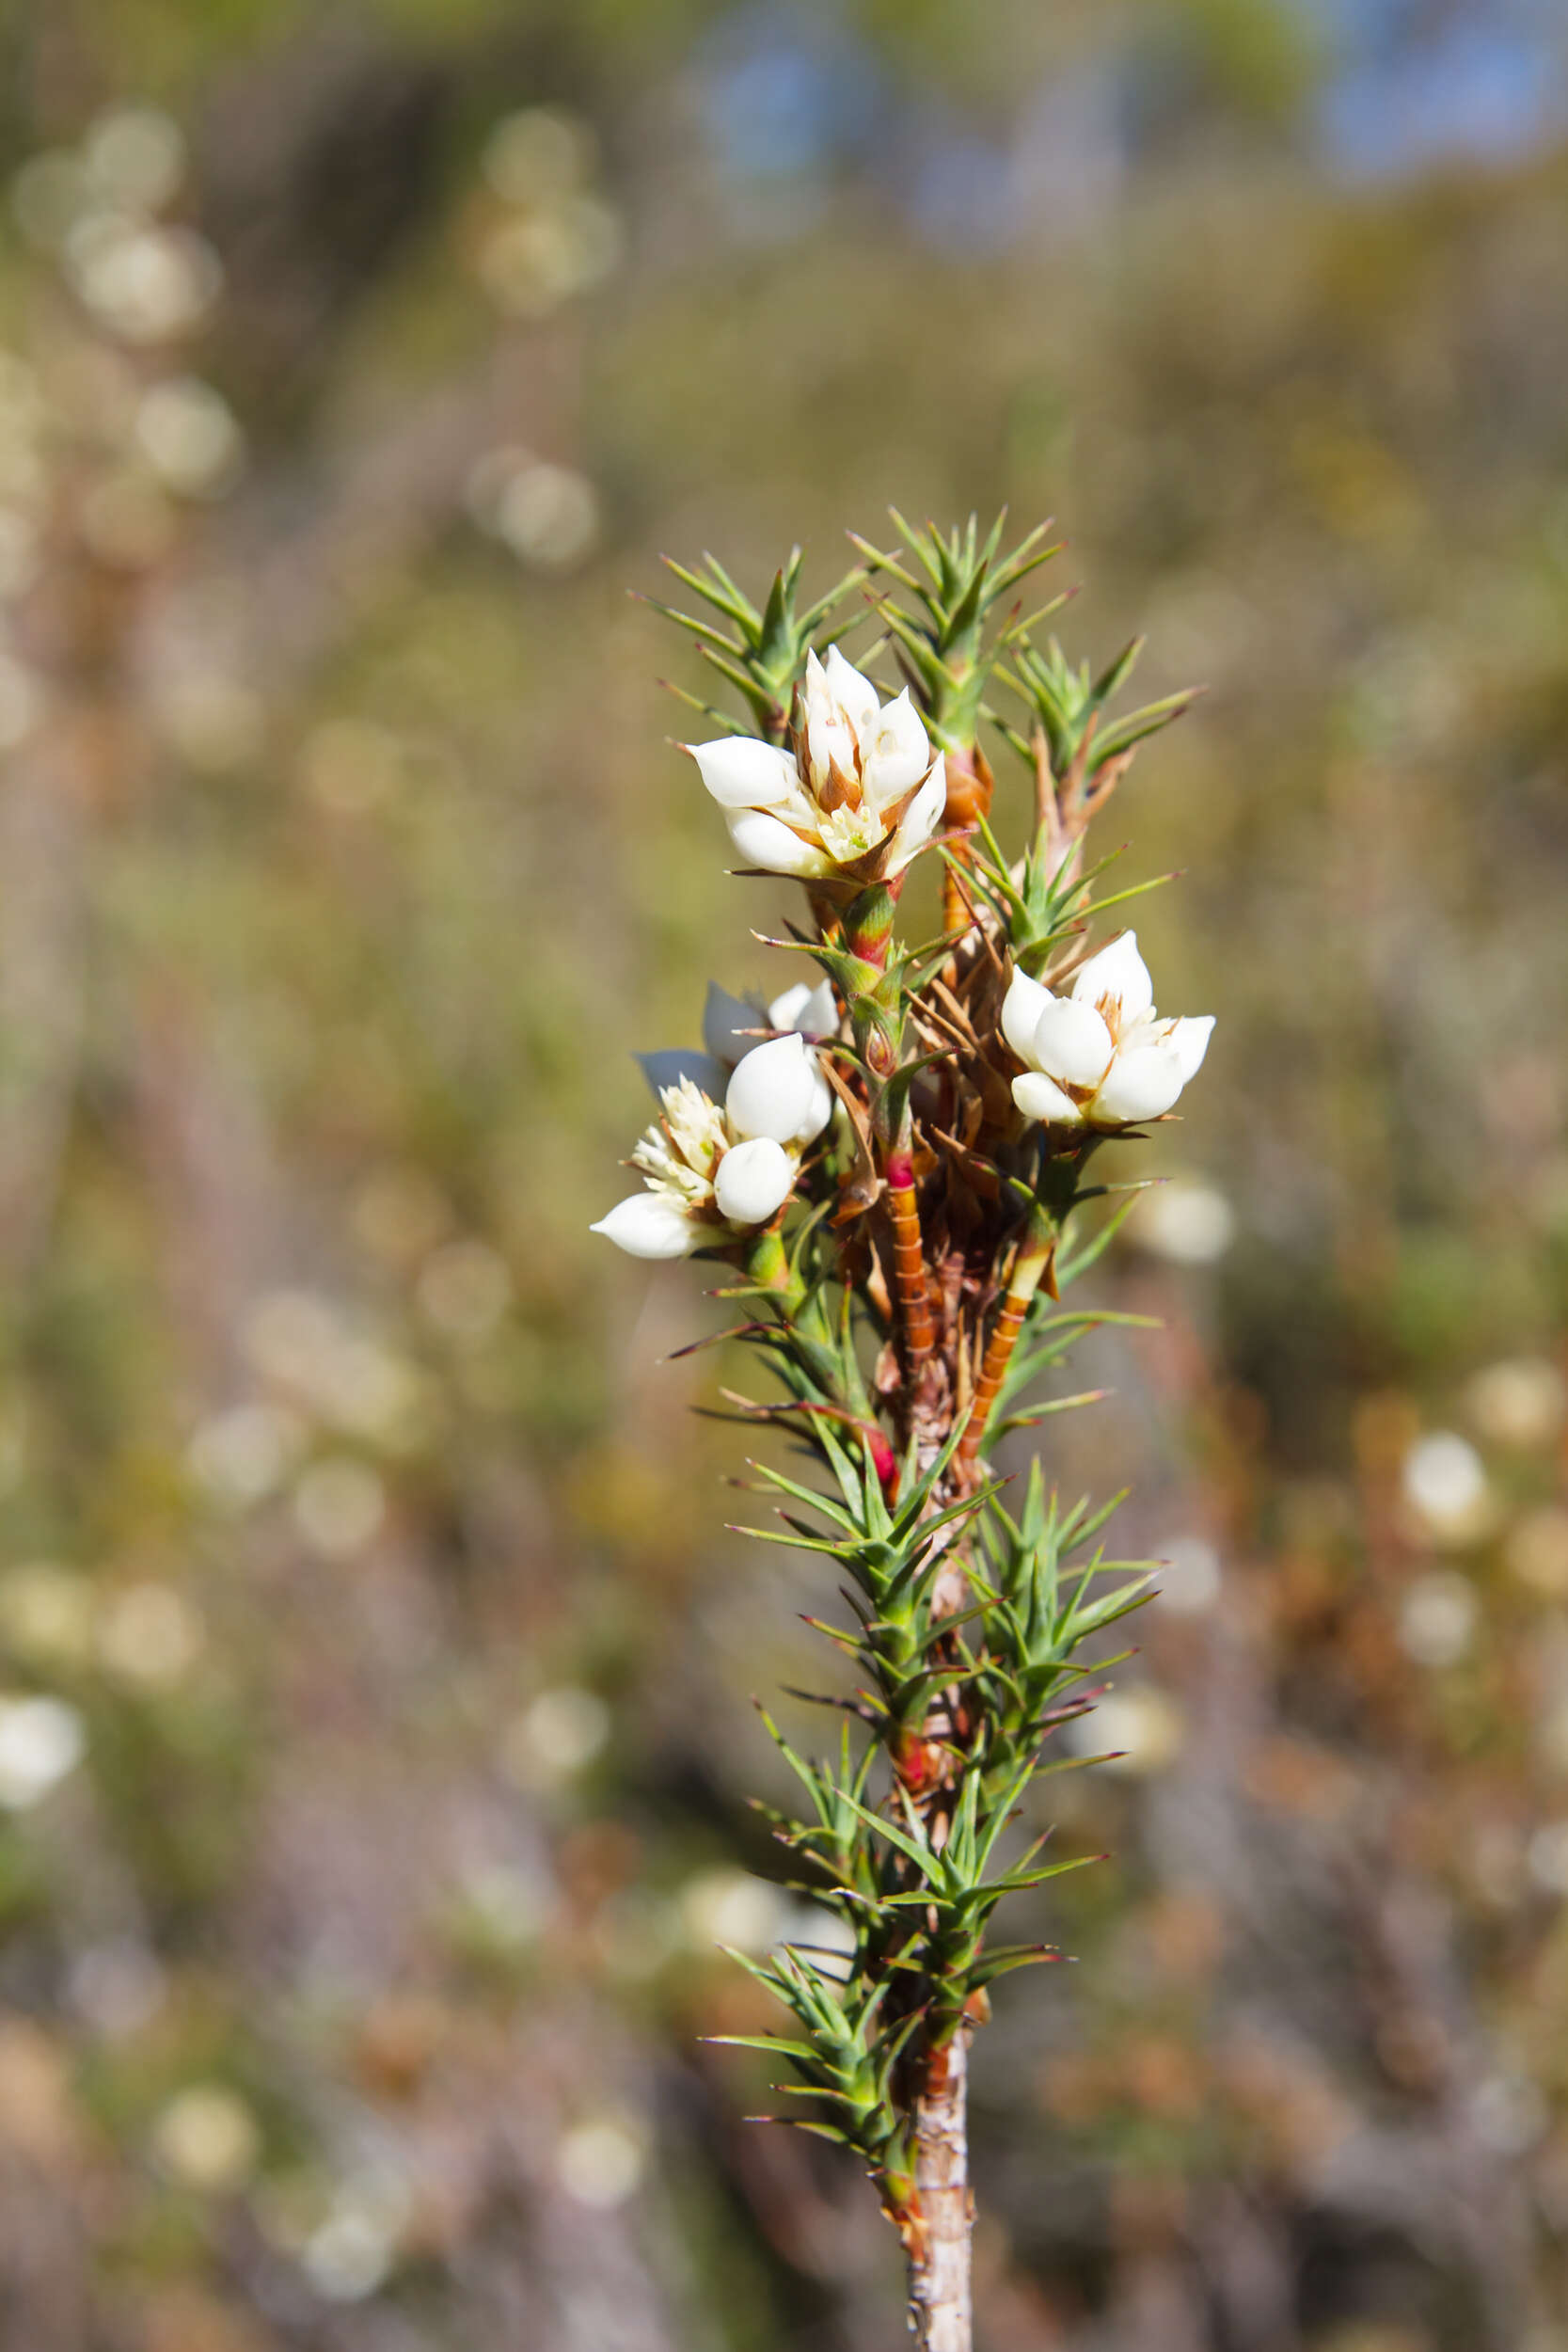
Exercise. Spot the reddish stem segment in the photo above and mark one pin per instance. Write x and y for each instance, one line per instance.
(908, 1262)
(1033, 1260)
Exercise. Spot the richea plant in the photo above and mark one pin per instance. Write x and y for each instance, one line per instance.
(892, 1164)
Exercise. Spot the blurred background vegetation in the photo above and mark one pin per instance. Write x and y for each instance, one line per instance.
(375, 1695)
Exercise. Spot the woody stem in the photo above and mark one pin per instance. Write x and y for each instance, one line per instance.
(939, 2250)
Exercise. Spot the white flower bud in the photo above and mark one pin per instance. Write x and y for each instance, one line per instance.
(650, 1225)
(741, 772)
(754, 1177)
(1121, 973)
(774, 1092)
(812, 1010)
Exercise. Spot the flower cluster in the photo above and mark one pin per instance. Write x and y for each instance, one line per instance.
(1096, 1056)
(716, 1173)
(858, 792)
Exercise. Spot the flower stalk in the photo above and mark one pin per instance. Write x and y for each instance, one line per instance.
(892, 1165)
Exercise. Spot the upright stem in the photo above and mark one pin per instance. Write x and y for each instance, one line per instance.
(940, 2301)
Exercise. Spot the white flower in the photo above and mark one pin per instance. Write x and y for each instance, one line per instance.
(1099, 1058)
(862, 789)
(734, 1028)
(711, 1172)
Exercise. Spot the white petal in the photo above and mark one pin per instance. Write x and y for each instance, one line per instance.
(649, 1225)
(814, 695)
(1139, 1084)
(1118, 971)
(741, 772)
(899, 754)
(830, 745)
(726, 1020)
(1022, 1008)
(854, 694)
(1041, 1098)
(1189, 1039)
(812, 1010)
(762, 840)
(754, 1178)
(920, 819)
(673, 1063)
(821, 1106)
(1071, 1042)
(773, 1091)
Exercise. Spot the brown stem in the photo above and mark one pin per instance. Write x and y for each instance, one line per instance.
(908, 1264)
(940, 2307)
(1033, 1260)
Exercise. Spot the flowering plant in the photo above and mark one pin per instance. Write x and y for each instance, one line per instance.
(894, 1179)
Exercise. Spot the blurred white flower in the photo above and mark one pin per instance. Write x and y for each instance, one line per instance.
(1437, 1618)
(1185, 1220)
(557, 1733)
(351, 2253)
(1445, 1486)
(243, 1455)
(862, 790)
(712, 1172)
(1547, 1857)
(338, 1506)
(601, 2163)
(1189, 1576)
(533, 262)
(734, 1908)
(149, 1635)
(1099, 1056)
(302, 1344)
(214, 722)
(548, 515)
(508, 1906)
(824, 1938)
(1537, 1551)
(1138, 1731)
(1510, 2113)
(42, 1739)
(49, 194)
(46, 1612)
(188, 434)
(207, 2138)
(1521, 1402)
(135, 157)
(537, 153)
(143, 283)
